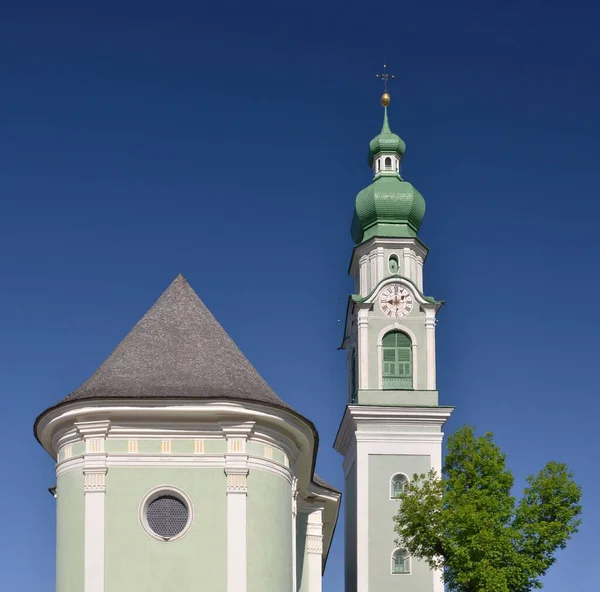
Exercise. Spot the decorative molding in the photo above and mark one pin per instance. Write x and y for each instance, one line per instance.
(236, 445)
(198, 446)
(94, 481)
(237, 483)
(314, 549)
(93, 429)
(94, 445)
(166, 446)
(132, 446)
(190, 461)
(269, 452)
(68, 453)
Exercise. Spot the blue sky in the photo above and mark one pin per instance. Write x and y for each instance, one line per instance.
(140, 140)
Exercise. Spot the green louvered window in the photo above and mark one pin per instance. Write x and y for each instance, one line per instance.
(397, 361)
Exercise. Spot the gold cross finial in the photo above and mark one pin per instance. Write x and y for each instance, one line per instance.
(384, 77)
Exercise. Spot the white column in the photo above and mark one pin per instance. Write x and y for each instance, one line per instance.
(314, 550)
(94, 490)
(363, 275)
(430, 344)
(363, 348)
(236, 470)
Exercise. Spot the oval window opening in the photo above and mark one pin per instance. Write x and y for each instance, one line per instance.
(393, 264)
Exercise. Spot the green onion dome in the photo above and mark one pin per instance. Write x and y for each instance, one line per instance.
(390, 206)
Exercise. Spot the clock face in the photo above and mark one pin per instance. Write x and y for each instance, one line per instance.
(396, 301)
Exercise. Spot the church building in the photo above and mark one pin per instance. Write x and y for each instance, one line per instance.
(179, 469)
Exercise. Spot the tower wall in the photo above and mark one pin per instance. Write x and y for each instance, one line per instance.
(381, 512)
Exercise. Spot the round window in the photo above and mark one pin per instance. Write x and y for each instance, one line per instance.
(166, 514)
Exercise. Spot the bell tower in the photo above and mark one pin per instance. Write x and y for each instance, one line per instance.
(392, 426)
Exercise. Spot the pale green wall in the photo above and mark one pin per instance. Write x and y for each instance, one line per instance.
(136, 562)
(350, 525)
(381, 525)
(269, 533)
(69, 532)
(302, 577)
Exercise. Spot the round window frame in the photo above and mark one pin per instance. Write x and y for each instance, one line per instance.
(154, 494)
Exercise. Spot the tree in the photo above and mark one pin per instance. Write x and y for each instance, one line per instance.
(467, 522)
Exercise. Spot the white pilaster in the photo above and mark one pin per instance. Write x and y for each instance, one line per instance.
(294, 515)
(420, 272)
(373, 270)
(363, 348)
(413, 267)
(430, 344)
(406, 258)
(380, 263)
(363, 274)
(314, 550)
(236, 470)
(94, 475)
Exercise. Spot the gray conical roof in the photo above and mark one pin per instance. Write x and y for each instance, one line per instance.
(178, 349)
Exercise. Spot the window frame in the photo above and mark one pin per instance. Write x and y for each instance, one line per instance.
(406, 480)
(407, 562)
(154, 494)
(396, 362)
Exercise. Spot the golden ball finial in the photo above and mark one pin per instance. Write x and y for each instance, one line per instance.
(385, 99)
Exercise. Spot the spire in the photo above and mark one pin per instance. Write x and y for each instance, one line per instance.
(386, 126)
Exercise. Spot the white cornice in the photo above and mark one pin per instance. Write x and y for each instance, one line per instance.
(364, 423)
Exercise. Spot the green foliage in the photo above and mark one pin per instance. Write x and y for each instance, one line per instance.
(468, 523)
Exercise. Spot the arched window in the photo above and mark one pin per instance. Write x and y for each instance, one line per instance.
(400, 562)
(397, 484)
(393, 264)
(388, 163)
(397, 361)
